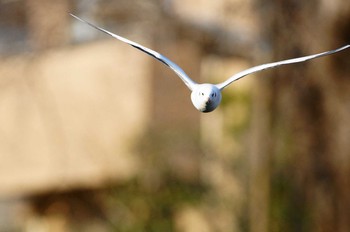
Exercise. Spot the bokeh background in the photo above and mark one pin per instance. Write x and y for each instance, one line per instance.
(96, 136)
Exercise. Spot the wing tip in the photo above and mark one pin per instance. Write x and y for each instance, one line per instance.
(71, 14)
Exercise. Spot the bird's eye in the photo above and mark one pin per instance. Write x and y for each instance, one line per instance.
(202, 94)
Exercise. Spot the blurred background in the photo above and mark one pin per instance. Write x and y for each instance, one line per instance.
(97, 136)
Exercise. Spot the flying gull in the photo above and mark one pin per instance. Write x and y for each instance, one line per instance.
(206, 97)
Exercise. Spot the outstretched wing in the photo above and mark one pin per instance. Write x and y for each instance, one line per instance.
(186, 79)
(275, 64)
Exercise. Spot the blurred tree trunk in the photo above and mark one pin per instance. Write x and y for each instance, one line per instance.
(307, 168)
(48, 21)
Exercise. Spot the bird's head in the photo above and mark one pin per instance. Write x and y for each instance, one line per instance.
(206, 97)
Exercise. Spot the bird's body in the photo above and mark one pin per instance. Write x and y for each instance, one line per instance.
(207, 97)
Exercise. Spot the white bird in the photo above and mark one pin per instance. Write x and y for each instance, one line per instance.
(206, 97)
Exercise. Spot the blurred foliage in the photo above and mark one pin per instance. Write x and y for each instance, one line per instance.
(150, 201)
(238, 105)
(131, 207)
(287, 210)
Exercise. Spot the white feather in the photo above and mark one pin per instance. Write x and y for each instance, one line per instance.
(206, 97)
